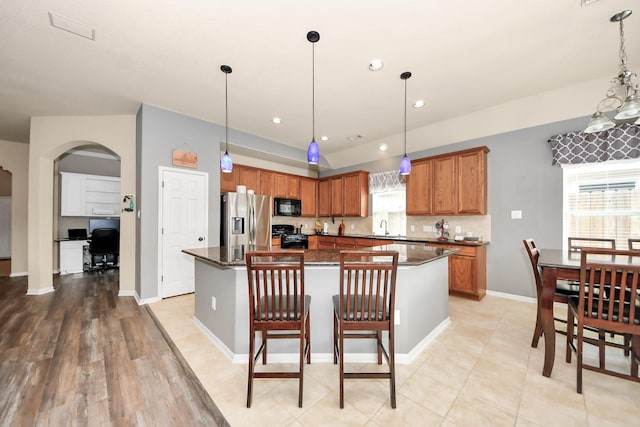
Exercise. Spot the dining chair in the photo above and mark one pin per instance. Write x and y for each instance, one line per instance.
(597, 307)
(576, 244)
(365, 309)
(634, 244)
(564, 290)
(278, 309)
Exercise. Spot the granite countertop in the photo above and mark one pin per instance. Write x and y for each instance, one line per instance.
(409, 255)
(408, 239)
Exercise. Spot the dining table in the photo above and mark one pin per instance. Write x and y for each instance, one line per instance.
(558, 264)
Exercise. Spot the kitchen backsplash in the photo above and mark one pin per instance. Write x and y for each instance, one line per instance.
(477, 225)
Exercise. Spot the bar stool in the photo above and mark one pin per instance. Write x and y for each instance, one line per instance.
(365, 308)
(277, 303)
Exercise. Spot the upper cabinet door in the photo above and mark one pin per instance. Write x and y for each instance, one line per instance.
(229, 181)
(266, 183)
(419, 185)
(472, 183)
(324, 197)
(280, 185)
(293, 187)
(445, 196)
(249, 177)
(308, 195)
(355, 194)
(337, 202)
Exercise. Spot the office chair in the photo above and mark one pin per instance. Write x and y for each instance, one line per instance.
(104, 248)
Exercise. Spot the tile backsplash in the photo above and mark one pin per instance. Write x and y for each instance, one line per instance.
(477, 225)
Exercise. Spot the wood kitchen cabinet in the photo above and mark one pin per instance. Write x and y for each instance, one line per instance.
(229, 181)
(326, 242)
(419, 188)
(449, 184)
(308, 195)
(445, 186)
(287, 186)
(472, 182)
(324, 197)
(266, 182)
(313, 242)
(355, 194)
(467, 270)
(337, 203)
(249, 177)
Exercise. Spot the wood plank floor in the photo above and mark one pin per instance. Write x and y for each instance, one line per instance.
(84, 356)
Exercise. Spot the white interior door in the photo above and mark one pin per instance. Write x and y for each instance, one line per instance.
(184, 226)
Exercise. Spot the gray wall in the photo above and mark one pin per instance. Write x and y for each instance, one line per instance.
(159, 132)
(520, 177)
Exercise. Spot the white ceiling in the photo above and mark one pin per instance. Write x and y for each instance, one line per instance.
(482, 67)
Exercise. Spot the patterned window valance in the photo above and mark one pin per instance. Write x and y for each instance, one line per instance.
(619, 143)
(381, 182)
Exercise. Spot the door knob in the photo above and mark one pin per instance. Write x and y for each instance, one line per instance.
(200, 239)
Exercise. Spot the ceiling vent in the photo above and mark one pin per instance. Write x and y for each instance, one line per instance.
(74, 27)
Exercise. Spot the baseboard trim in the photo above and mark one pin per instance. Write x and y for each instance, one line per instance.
(19, 274)
(143, 301)
(512, 296)
(40, 291)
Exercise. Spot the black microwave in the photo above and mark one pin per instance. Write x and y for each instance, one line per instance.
(287, 207)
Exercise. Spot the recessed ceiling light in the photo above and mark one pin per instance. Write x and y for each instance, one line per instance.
(74, 27)
(276, 121)
(383, 147)
(324, 138)
(356, 137)
(418, 104)
(376, 65)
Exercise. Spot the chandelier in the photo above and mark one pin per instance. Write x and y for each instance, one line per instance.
(624, 93)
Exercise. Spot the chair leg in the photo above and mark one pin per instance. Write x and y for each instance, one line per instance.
(308, 337)
(335, 339)
(601, 348)
(379, 347)
(537, 331)
(579, 361)
(301, 366)
(570, 331)
(264, 347)
(627, 344)
(341, 357)
(392, 367)
(635, 354)
(250, 380)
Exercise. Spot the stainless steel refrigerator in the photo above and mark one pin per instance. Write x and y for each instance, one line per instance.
(245, 220)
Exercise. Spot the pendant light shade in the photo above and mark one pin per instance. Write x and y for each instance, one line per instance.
(405, 163)
(226, 164)
(313, 152)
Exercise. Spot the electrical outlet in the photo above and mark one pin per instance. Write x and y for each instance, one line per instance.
(353, 227)
(413, 227)
(396, 320)
(458, 229)
(213, 303)
(427, 228)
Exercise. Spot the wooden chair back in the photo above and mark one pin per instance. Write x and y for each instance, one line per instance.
(276, 287)
(634, 244)
(609, 293)
(368, 289)
(534, 255)
(576, 244)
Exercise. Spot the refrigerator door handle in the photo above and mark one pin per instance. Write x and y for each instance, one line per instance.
(252, 220)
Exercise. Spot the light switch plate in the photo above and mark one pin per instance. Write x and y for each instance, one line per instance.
(413, 227)
(458, 229)
(516, 214)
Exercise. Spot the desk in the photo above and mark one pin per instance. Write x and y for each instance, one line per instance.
(72, 255)
(556, 265)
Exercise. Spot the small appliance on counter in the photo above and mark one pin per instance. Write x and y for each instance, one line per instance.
(289, 239)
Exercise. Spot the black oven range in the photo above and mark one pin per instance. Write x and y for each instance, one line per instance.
(289, 239)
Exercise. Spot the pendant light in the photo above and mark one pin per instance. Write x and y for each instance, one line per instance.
(623, 94)
(313, 152)
(405, 163)
(226, 164)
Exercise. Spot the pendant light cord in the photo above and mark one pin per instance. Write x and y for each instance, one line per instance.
(405, 117)
(226, 115)
(313, 91)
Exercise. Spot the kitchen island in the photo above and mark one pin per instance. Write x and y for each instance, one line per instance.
(222, 312)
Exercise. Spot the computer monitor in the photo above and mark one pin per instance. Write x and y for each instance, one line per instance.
(103, 223)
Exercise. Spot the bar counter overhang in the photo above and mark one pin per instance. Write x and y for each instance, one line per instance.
(422, 294)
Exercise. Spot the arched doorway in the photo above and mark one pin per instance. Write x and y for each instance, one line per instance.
(87, 163)
(5, 221)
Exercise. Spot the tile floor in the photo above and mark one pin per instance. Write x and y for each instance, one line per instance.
(480, 371)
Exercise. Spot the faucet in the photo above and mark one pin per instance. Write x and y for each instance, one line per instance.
(386, 232)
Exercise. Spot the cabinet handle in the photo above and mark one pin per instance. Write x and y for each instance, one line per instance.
(200, 239)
